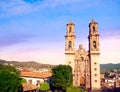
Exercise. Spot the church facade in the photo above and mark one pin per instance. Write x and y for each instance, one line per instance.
(85, 64)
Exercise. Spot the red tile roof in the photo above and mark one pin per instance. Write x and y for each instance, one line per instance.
(24, 70)
(28, 87)
(36, 74)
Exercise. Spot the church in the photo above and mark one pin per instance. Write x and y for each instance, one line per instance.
(85, 63)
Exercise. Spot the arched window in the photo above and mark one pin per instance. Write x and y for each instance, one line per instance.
(94, 44)
(70, 45)
(93, 29)
(70, 29)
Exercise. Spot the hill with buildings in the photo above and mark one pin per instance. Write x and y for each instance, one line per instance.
(110, 66)
(36, 65)
(27, 65)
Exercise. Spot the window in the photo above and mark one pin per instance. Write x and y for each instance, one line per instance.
(93, 29)
(95, 63)
(37, 82)
(95, 80)
(95, 74)
(70, 45)
(95, 69)
(94, 44)
(30, 81)
(69, 62)
(70, 29)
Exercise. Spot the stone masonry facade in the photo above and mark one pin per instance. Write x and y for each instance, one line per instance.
(85, 64)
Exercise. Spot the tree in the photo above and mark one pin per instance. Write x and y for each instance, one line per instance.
(62, 77)
(106, 74)
(74, 89)
(44, 86)
(9, 79)
(23, 80)
(10, 69)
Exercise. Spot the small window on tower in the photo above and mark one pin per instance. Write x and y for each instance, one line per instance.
(95, 74)
(95, 80)
(70, 45)
(95, 63)
(69, 62)
(94, 44)
(70, 29)
(95, 69)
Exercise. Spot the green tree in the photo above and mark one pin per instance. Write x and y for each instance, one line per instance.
(106, 74)
(9, 79)
(62, 77)
(44, 86)
(23, 80)
(74, 89)
(10, 69)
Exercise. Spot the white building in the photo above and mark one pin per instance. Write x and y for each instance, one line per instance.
(36, 78)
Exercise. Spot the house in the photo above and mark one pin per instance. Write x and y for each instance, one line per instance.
(36, 78)
(109, 82)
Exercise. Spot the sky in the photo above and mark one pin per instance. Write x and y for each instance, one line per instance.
(34, 30)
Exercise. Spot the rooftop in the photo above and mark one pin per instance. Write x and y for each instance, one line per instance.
(36, 74)
(29, 87)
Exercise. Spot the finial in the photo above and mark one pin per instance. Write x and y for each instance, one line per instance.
(93, 20)
(70, 22)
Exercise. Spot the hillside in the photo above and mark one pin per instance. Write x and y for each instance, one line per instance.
(30, 64)
(35, 65)
(109, 66)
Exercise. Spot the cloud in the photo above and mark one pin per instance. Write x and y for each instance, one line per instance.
(109, 43)
(19, 7)
(13, 39)
(111, 34)
(33, 1)
(55, 3)
(15, 32)
(14, 7)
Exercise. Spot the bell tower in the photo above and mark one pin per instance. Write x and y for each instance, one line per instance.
(94, 53)
(70, 44)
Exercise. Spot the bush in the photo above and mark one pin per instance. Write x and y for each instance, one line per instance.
(44, 86)
(74, 89)
(23, 80)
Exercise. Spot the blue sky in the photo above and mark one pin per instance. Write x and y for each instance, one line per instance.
(34, 30)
